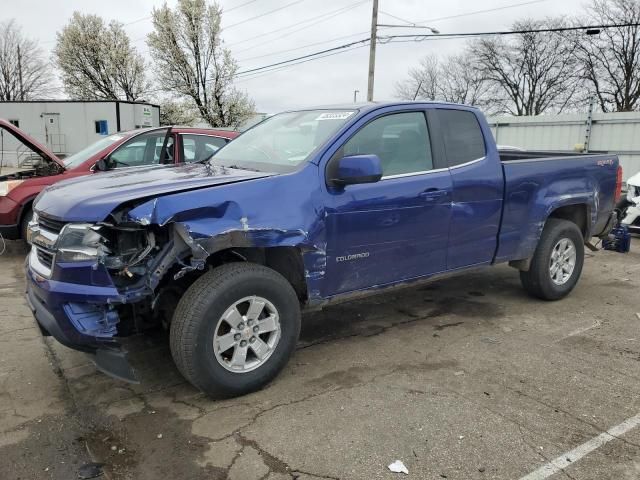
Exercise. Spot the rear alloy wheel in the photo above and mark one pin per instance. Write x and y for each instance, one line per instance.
(235, 328)
(557, 262)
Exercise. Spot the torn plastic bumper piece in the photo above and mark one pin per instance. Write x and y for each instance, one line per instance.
(115, 364)
(70, 324)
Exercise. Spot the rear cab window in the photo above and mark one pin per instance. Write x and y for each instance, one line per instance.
(462, 136)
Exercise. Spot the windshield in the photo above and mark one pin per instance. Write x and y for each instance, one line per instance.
(282, 142)
(86, 153)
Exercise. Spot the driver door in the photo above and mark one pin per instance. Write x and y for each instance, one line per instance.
(397, 228)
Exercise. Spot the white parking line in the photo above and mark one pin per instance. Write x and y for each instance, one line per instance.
(563, 461)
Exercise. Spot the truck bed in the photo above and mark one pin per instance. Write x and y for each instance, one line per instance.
(537, 183)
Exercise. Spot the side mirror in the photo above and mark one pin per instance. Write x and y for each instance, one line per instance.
(354, 169)
(101, 165)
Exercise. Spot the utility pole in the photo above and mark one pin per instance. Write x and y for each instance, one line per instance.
(372, 50)
(587, 133)
(355, 96)
(21, 85)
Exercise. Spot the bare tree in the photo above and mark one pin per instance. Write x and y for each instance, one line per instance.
(191, 61)
(529, 73)
(423, 81)
(611, 59)
(97, 60)
(453, 79)
(24, 75)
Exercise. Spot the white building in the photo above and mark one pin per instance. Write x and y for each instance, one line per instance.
(67, 126)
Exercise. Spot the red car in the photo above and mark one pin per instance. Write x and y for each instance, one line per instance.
(135, 148)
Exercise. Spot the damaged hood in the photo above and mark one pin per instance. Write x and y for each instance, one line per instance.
(93, 198)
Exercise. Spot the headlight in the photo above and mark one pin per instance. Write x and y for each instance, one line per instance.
(6, 187)
(632, 192)
(80, 242)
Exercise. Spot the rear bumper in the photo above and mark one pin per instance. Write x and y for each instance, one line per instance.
(611, 224)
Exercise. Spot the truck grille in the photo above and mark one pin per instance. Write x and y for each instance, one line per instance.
(49, 224)
(45, 257)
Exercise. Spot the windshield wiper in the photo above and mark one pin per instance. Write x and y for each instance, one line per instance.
(241, 168)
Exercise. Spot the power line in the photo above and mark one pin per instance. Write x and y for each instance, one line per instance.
(276, 69)
(418, 37)
(512, 32)
(339, 47)
(297, 24)
(319, 19)
(240, 6)
(397, 18)
(302, 47)
(496, 9)
(148, 17)
(252, 73)
(263, 14)
(504, 7)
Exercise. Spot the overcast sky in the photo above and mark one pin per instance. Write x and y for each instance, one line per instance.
(324, 81)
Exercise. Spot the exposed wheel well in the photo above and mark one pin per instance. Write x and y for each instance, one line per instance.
(287, 261)
(574, 213)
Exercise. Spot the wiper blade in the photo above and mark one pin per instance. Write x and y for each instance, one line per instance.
(241, 168)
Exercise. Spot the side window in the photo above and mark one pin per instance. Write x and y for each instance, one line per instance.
(142, 150)
(400, 140)
(197, 148)
(463, 139)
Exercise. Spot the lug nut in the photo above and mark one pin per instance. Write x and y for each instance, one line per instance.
(255, 329)
(241, 325)
(250, 322)
(236, 337)
(253, 339)
(243, 343)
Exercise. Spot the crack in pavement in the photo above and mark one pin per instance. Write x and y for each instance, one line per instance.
(581, 420)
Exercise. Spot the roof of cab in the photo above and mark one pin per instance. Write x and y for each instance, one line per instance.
(369, 106)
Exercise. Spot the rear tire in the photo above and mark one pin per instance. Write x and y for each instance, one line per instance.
(557, 262)
(220, 309)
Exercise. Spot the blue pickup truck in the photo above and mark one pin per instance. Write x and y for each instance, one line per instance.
(307, 208)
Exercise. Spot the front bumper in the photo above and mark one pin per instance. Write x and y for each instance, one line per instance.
(9, 213)
(60, 310)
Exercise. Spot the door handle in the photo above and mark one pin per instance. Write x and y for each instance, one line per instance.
(432, 194)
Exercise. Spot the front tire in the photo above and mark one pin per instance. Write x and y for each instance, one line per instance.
(557, 262)
(235, 329)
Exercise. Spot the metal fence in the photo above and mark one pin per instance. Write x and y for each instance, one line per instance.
(617, 133)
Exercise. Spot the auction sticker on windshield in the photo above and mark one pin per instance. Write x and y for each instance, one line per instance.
(334, 115)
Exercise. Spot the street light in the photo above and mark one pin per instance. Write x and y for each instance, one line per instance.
(373, 41)
(433, 30)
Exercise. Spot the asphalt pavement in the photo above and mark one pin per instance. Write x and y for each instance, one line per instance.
(462, 378)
